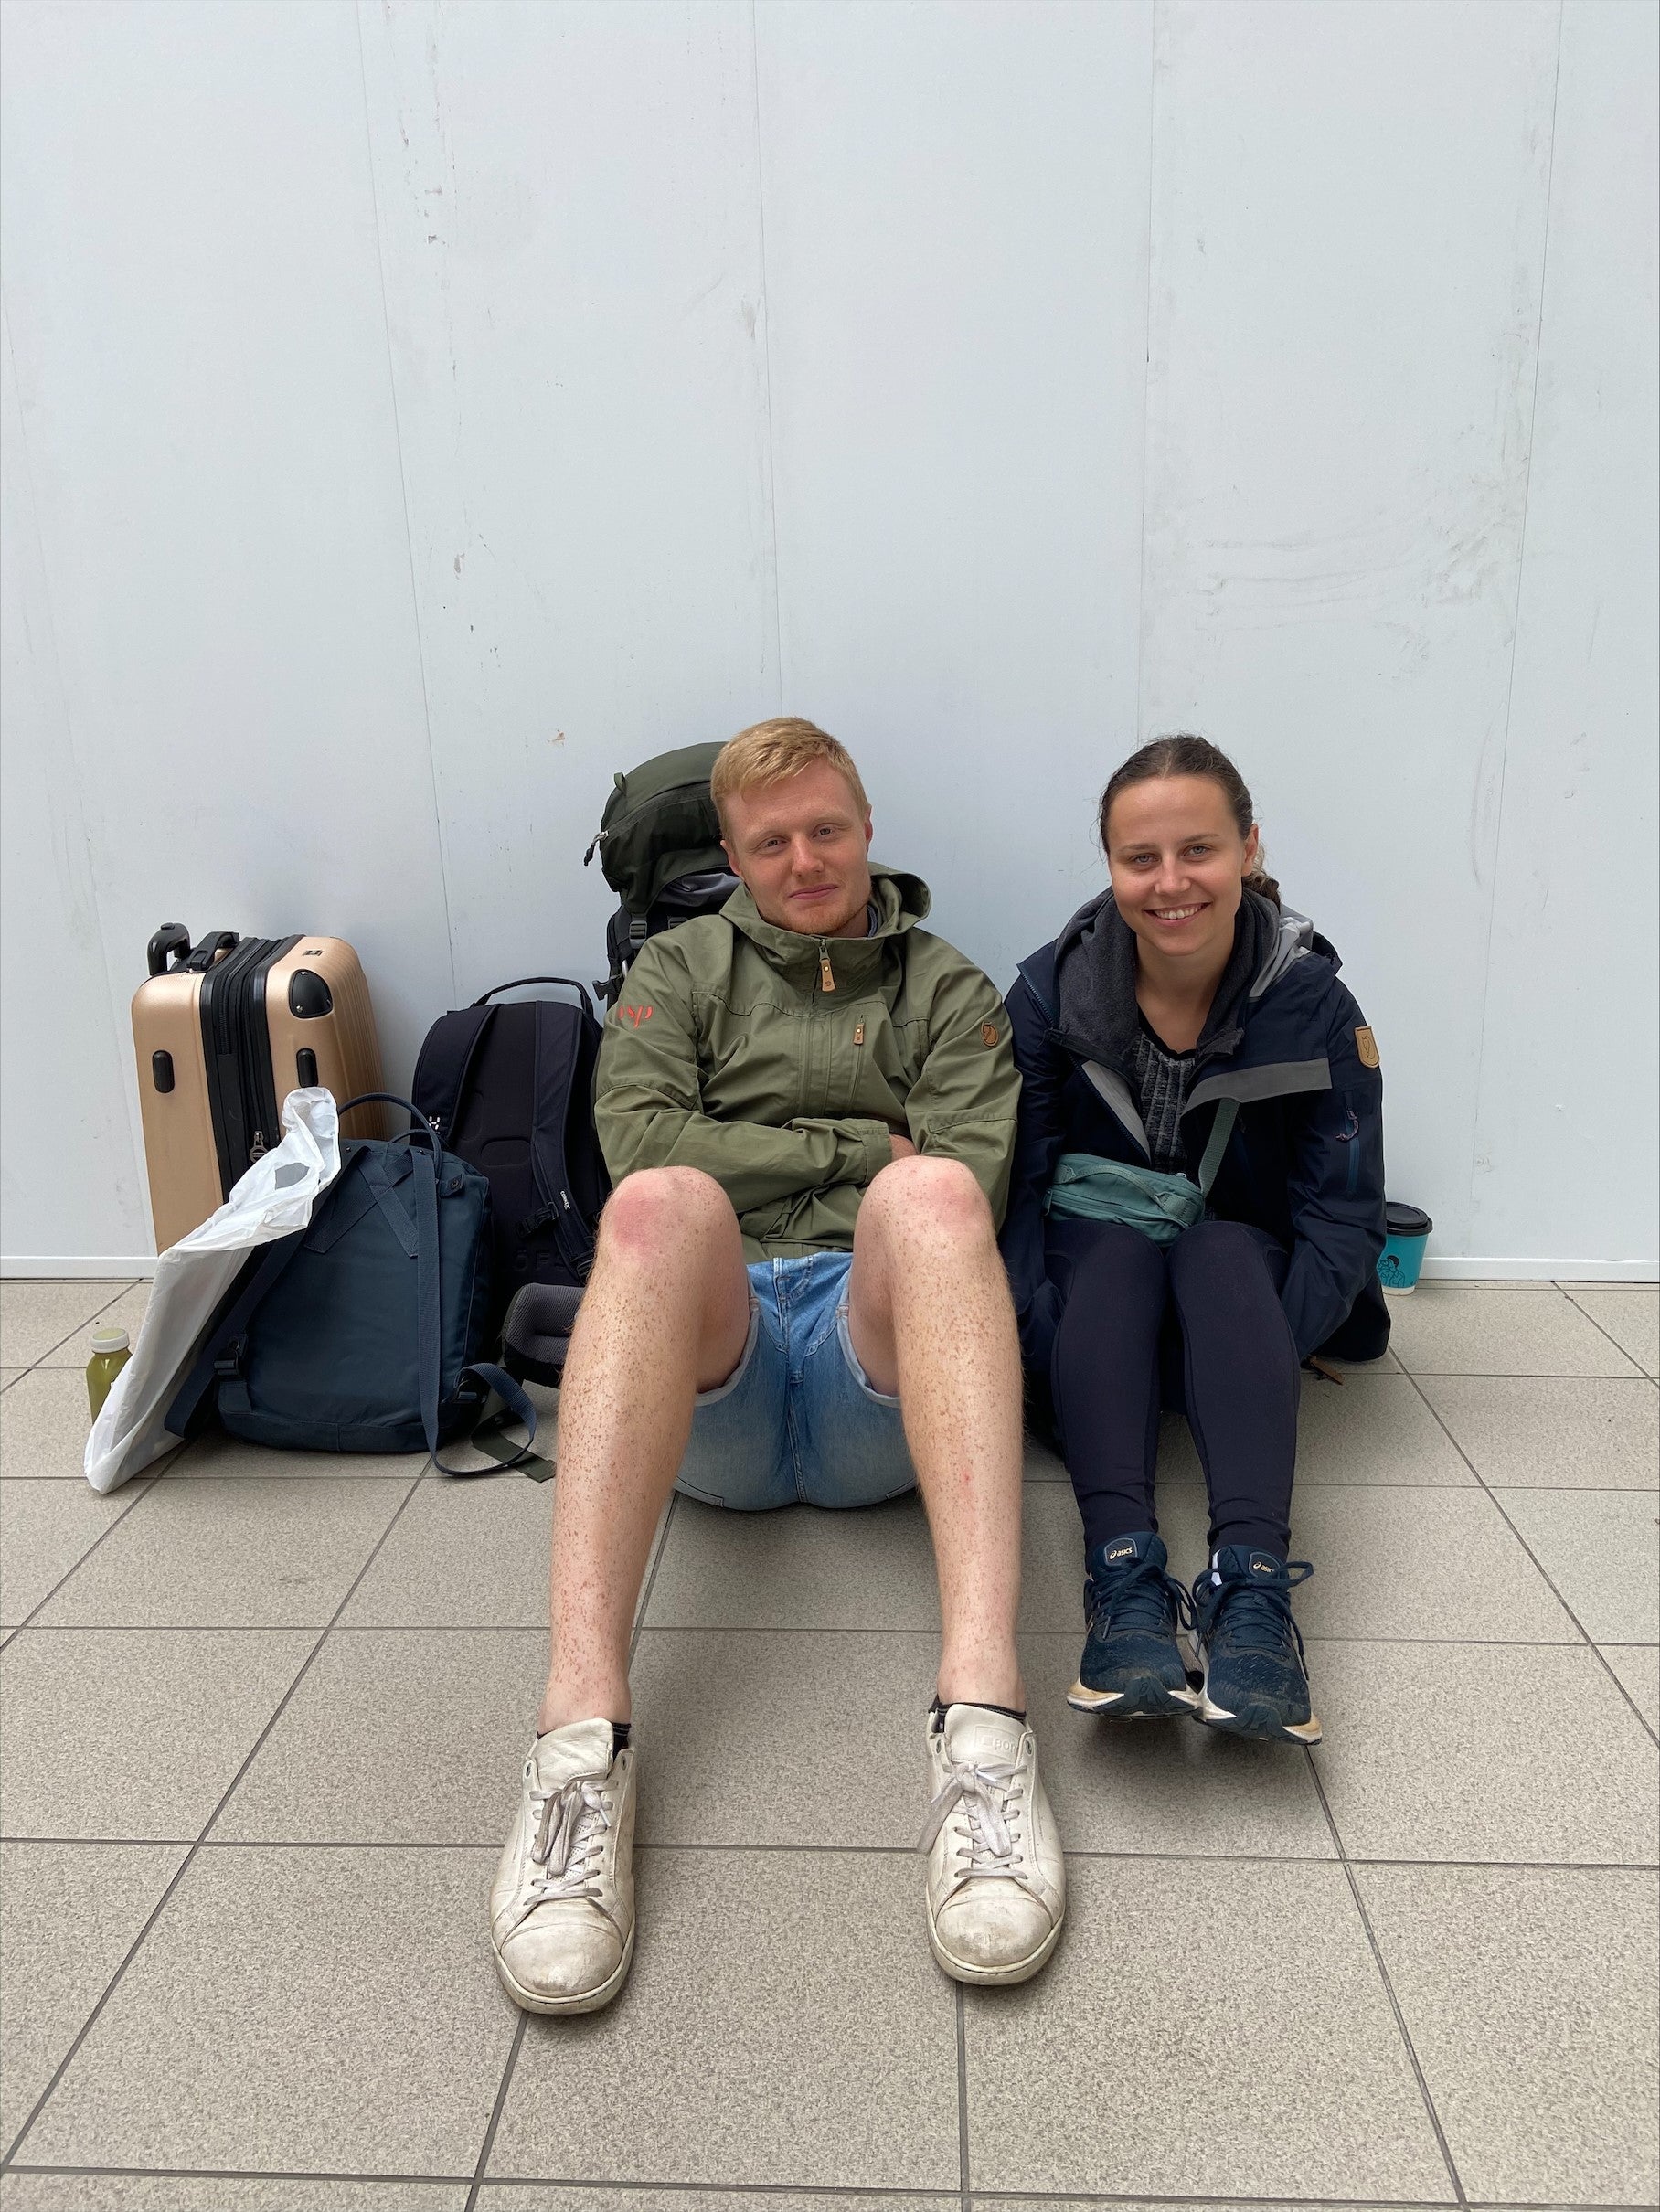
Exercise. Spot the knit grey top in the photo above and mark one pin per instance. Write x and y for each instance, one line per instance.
(1161, 1078)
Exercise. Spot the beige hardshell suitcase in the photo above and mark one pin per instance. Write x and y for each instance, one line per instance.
(224, 1032)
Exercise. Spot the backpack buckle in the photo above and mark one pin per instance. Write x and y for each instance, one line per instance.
(232, 1361)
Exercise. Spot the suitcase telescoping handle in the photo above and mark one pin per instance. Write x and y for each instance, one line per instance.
(172, 941)
(569, 982)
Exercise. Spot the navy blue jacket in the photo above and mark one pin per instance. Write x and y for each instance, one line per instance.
(1305, 1159)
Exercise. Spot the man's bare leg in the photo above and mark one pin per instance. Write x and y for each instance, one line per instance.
(665, 1314)
(930, 1317)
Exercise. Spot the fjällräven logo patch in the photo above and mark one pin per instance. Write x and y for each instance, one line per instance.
(1365, 1045)
(634, 1016)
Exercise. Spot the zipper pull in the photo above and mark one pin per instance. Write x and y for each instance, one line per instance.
(826, 974)
(859, 1035)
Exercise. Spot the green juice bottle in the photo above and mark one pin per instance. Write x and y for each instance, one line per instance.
(110, 1356)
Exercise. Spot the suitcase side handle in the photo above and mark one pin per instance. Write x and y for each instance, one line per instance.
(172, 938)
(569, 982)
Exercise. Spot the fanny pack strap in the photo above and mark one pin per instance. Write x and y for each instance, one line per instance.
(1221, 1129)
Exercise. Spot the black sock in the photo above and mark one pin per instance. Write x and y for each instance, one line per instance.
(618, 1735)
(938, 1710)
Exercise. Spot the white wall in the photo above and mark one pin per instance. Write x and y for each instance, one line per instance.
(415, 411)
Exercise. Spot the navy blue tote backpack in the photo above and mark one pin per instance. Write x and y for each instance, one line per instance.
(359, 1333)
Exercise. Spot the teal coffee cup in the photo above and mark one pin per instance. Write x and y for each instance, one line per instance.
(1406, 1232)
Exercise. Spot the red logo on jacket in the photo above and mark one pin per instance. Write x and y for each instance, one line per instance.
(635, 1015)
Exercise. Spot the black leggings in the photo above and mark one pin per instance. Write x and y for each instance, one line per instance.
(1203, 1312)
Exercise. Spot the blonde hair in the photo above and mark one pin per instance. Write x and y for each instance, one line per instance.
(769, 753)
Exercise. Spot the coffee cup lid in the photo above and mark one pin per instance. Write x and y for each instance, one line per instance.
(1402, 1220)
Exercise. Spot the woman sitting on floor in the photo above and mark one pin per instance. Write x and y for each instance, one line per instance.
(1197, 1202)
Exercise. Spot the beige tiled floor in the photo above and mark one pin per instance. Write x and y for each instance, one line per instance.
(260, 1719)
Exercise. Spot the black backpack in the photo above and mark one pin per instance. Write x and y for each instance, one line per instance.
(659, 848)
(509, 1090)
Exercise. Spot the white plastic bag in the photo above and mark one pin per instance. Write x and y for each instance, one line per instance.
(274, 1199)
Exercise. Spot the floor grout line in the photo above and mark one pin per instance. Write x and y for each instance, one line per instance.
(189, 1859)
(739, 1628)
(964, 2182)
(732, 1846)
(1606, 1332)
(764, 2192)
(1539, 1565)
(651, 1577)
(142, 1485)
(1389, 1986)
(29, 1366)
(496, 2109)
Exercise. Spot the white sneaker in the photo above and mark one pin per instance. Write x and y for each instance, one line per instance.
(996, 1876)
(562, 1905)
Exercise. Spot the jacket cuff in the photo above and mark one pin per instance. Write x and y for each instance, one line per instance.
(876, 1141)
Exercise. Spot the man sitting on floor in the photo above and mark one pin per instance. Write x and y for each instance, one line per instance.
(807, 1104)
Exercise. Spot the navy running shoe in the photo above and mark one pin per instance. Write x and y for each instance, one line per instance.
(1255, 1681)
(1132, 1668)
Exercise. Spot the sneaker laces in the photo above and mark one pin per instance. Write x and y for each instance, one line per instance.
(1140, 1596)
(989, 1797)
(1259, 1614)
(572, 1822)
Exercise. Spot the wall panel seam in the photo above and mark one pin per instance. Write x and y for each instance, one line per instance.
(1516, 624)
(403, 489)
(117, 1009)
(1141, 587)
(766, 360)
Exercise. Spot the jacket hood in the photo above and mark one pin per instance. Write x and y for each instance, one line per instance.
(1095, 974)
(900, 901)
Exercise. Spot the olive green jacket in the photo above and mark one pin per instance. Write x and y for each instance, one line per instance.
(782, 1065)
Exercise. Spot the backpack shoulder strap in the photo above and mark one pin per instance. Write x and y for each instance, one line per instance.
(184, 1415)
(558, 1036)
(1221, 1129)
(429, 1325)
(446, 1061)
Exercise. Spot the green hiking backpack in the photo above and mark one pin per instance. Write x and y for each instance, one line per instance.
(659, 848)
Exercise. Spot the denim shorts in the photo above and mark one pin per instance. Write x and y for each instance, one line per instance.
(797, 1422)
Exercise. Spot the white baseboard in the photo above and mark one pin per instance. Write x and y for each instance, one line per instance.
(1437, 1270)
(100, 1266)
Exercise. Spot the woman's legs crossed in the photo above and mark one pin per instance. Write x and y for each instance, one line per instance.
(1241, 1379)
(1104, 1371)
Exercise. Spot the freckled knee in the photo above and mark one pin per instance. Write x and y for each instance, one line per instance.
(657, 1205)
(940, 1196)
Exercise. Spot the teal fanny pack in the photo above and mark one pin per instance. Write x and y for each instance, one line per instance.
(1089, 1188)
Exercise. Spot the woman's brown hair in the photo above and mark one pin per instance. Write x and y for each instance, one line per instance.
(1185, 755)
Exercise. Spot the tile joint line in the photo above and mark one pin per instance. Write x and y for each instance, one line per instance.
(189, 1858)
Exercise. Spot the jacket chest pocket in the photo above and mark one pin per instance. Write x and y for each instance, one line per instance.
(874, 1068)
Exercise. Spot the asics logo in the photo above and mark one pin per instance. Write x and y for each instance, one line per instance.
(1121, 1551)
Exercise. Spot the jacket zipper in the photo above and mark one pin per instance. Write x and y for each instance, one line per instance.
(826, 973)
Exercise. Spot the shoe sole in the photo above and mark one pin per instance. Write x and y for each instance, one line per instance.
(995, 1977)
(1147, 1701)
(585, 2001)
(1259, 1722)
